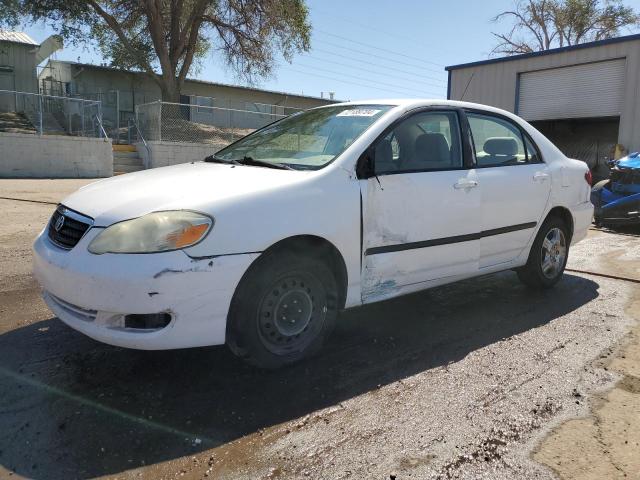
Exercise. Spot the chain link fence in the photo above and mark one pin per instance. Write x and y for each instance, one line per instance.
(23, 112)
(180, 122)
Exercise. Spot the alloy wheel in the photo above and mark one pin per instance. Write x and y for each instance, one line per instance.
(554, 253)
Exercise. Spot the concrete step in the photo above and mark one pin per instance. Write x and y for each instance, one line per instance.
(121, 147)
(127, 161)
(123, 154)
(120, 169)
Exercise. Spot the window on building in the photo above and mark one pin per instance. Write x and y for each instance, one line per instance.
(204, 104)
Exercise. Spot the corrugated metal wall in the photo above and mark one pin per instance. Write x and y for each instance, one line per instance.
(18, 67)
(497, 83)
(580, 91)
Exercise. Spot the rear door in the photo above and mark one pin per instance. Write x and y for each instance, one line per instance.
(421, 211)
(515, 185)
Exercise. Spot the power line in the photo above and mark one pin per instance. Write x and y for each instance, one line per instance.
(378, 65)
(361, 83)
(421, 91)
(354, 22)
(379, 48)
(400, 62)
(373, 72)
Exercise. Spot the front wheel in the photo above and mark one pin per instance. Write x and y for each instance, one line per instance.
(548, 256)
(283, 310)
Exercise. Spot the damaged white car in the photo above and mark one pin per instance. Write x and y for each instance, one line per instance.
(262, 244)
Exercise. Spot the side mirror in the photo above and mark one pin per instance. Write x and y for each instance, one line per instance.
(366, 164)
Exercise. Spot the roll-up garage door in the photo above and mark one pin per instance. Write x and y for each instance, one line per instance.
(580, 91)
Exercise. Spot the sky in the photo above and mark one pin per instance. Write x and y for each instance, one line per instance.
(367, 48)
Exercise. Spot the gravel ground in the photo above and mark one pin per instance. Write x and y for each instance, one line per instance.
(462, 381)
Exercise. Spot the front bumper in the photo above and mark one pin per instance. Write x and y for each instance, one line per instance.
(93, 293)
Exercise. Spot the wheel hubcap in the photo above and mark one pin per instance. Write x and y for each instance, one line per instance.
(554, 253)
(291, 313)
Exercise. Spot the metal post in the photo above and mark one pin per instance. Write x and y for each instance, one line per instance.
(40, 108)
(159, 120)
(68, 115)
(118, 115)
(82, 115)
(100, 118)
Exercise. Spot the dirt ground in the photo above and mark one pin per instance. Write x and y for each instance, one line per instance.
(481, 379)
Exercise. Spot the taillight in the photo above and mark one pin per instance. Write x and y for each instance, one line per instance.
(588, 177)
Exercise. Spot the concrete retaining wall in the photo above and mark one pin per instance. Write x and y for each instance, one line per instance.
(162, 154)
(54, 156)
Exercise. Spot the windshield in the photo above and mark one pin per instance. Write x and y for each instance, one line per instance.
(307, 140)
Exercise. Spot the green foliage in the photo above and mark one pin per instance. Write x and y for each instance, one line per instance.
(543, 24)
(166, 38)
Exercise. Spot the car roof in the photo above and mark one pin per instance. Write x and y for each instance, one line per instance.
(411, 103)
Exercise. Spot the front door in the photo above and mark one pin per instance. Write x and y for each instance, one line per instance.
(421, 212)
(515, 185)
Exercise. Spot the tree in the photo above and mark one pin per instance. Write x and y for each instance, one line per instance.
(544, 24)
(164, 38)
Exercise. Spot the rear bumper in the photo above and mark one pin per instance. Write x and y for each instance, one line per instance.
(93, 293)
(582, 218)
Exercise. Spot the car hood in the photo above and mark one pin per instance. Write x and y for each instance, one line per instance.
(197, 186)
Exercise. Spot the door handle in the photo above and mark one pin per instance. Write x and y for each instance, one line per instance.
(465, 184)
(540, 176)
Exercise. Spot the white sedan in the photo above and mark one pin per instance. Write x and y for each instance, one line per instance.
(262, 244)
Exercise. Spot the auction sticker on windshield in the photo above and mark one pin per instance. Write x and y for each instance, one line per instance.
(358, 112)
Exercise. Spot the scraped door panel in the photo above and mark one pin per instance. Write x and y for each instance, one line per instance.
(418, 227)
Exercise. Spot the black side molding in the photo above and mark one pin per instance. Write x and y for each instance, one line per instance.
(449, 240)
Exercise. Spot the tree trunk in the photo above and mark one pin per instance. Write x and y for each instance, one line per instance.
(170, 89)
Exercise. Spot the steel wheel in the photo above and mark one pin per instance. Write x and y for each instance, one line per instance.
(292, 313)
(553, 253)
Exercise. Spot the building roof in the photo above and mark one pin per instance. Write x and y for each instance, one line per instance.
(16, 37)
(218, 84)
(599, 43)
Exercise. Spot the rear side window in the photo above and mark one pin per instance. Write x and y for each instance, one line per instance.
(498, 142)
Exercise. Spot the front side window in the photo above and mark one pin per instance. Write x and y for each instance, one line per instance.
(498, 142)
(423, 142)
(308, 140)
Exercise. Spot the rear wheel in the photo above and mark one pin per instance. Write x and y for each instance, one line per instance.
(283, 310)
(548, 256)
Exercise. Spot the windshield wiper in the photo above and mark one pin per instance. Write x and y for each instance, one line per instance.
(214, 159)
(261, 163)
(250, 161)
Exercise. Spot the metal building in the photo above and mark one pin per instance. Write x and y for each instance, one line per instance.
(18, 62)
(121, 90)
(585, 98)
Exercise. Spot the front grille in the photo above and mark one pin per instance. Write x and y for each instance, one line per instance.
(67, 227)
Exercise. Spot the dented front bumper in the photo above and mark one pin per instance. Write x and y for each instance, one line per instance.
(93, 293)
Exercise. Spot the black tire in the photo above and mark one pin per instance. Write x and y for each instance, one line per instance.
(533, 274)
(283, 310)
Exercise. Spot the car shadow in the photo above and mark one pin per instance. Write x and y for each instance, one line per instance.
(73, 408)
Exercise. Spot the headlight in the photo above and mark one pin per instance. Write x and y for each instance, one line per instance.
(155, 232)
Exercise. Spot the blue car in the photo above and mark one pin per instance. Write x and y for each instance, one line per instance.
(617, 200)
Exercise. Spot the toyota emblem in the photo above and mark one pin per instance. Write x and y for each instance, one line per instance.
(59, 223)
